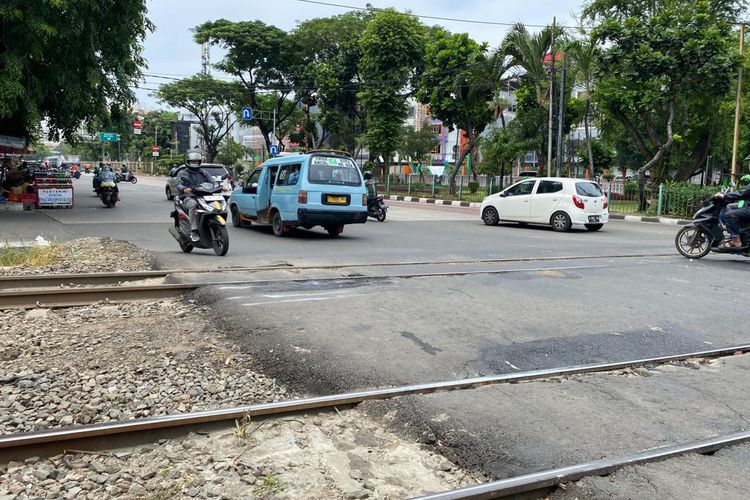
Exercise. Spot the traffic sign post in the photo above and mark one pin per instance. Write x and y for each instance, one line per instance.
(137, 127)
(154, 151)
(274, 150)
(247, 114)
(109, 137)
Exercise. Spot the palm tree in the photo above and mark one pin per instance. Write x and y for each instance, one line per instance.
(583, 54)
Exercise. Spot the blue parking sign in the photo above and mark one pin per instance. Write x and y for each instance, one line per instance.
(247, 114)
(274, 150)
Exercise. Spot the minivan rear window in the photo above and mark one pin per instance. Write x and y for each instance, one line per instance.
(333, 170)
(588, 189)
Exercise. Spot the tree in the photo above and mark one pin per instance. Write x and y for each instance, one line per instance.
(501, 147)
(457, 85)
(230, 152)
(583, 53)
(664, 62)
(67, 62)
(392, 46)
(416, 146)
(601, 157)
(332, 45)
(213, 102)
(268, 62)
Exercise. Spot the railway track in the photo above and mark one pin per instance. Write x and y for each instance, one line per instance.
(114, 278)
(28, 293)
(127, 432)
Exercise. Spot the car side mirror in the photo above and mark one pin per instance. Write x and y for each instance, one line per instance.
(225, 176)
(503, 195)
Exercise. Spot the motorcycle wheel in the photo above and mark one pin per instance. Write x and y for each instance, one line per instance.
(380, 216)
(133, 180)
(186, 247)
(693, 243)
(220, 240)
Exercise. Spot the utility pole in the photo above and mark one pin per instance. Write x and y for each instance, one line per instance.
(560, 118)
(551, 97)
(274, 126)
(206, 58)
(736, 143)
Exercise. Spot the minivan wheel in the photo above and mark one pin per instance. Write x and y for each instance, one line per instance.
(560, 221)
(490, 216)
(277, 224)
(594, 227)
(236, 217)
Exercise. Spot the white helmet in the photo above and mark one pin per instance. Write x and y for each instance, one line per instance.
(193, 160)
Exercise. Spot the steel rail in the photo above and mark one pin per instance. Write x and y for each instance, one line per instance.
(32, 442)
(46, 280)
(27, 298)
(551, 478)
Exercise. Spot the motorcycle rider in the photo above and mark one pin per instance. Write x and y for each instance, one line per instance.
(372, 192)
(107, 174)
(738, 217)
(187, 180)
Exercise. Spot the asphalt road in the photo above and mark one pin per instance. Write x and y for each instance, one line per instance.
(566, 299)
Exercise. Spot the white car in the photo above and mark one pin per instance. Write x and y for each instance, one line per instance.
(557, 201)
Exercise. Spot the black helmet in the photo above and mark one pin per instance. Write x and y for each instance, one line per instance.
(368, 175)
(193, 160)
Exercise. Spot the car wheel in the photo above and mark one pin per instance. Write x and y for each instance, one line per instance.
(594, 227)
(236, 217)
(560, 221)
(490, 216)
(277, 224)
(334, 231)
(170, 197)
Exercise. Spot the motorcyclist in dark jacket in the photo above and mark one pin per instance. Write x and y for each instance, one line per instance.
(737, 218)
(188, 179)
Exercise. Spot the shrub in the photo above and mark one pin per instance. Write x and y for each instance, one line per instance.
(473, 187)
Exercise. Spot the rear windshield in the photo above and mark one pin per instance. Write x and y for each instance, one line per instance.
(215, 171)
(333, 170)
(588, 189)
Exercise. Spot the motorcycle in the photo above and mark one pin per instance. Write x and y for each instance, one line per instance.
(705, 233)
(211, 214)
(377, 209)
(127, 177)
(107, 193)
(76, 174)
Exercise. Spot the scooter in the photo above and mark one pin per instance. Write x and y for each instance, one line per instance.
(377, 209)
(705, 233)
(211, 213)
(127, 177)
(107, 193)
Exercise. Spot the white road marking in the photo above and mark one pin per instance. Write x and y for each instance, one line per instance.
(288, 294)
(308, 299)
(512, 365)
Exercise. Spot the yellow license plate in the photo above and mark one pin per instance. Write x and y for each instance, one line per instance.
(337, 200)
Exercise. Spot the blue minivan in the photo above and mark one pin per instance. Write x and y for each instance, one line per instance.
(319, 188)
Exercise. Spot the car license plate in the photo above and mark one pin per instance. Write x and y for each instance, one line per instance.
(593, 218)
(213, 198)
(336, 200)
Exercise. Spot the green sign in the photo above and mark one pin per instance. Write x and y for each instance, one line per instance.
(109, 137)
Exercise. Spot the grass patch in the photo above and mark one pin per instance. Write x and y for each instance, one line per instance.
(270, 485)
(35, 256)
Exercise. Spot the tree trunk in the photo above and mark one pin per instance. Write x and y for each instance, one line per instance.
(657, 158)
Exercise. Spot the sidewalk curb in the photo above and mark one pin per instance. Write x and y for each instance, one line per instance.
(626, 218)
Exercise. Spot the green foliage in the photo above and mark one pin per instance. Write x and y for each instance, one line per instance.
(213, 102)
(473, 187)
(603, 157)
(67, 62)
(683, 199)
(665, 58)
(501, 147)
(392, 46)
(416, 145)
(230, 152)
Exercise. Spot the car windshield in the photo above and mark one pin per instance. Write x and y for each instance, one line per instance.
(333, 170)
(588, 189)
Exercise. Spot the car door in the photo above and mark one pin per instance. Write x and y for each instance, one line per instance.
(265, 186)
(246, 199)
(514, 201)
(545, 199)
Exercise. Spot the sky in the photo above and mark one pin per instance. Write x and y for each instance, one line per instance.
(171, 51)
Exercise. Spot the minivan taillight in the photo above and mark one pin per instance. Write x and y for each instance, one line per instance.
(364, 200)
(605, 203)
(302, 197)
(577, 201)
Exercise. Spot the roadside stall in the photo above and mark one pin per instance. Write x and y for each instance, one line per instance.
(53, 189)
(16, 185)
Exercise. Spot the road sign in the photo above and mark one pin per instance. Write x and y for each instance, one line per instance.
(109, 137)
(247, 114)
(274, 150)
(137, 127)
(154, 150)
